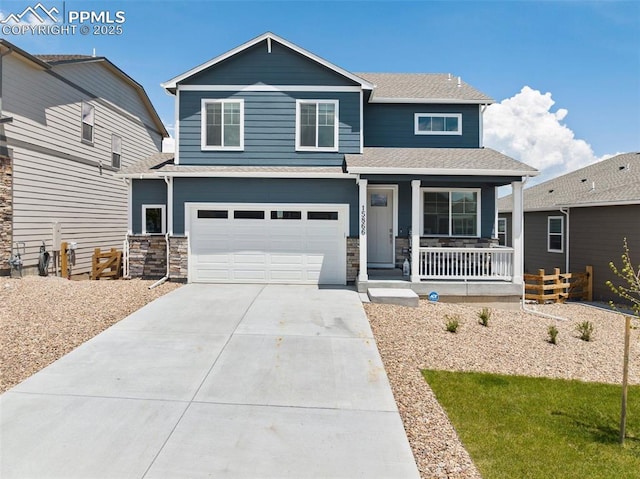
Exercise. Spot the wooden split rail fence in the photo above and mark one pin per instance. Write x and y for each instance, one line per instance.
(107, 264)
(559, 287)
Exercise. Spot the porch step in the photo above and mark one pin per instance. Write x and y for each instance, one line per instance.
(402, 297)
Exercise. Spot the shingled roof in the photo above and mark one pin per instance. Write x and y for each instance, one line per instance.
(53, 59)
(443, 161)
(613, 181)
(433, 87)
(163, 164)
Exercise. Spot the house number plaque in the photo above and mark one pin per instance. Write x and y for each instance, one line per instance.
(363, 221)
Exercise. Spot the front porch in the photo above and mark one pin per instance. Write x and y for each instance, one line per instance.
(471, 273)
(467, 267)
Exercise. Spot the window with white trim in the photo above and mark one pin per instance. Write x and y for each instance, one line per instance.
(88, 122)
(451, 212)
(502, 231)
(116, 151)
(222, 124)
(438, 124)
(317, 125)
(154, 219)
(555, 234)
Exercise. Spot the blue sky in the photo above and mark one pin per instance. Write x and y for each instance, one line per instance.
(585, 54)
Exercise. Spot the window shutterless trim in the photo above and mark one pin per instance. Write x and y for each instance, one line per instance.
(478, 192)
(116, 150)
(502, 221)
(163, 212)
(336, 125)
(92, 124)
(418, 131)
(203, 124)
(549, 234)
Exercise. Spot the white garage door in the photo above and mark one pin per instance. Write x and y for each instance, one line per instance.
(267, 243)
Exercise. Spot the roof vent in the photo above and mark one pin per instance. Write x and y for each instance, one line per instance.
(624, 167)
(449, 76)
(593, 185)
(459, 82)
(551, 190)
(583, 180)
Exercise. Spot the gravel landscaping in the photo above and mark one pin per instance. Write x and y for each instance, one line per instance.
(411, 339)
(41, 319)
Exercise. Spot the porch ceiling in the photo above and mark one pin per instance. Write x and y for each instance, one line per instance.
(436, 161)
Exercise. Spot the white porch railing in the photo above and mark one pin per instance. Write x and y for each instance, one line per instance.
(495, 263)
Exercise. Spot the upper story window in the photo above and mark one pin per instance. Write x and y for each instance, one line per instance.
(222, 124)
(88, 122)
(317, 125)
(555, 233)
(438, 124)
(116, 151)
(451, 213)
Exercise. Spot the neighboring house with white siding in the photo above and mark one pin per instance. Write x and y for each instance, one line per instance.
(581, 218)
(68, 124)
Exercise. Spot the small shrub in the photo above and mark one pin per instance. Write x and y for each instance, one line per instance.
(553, 334)
(585, 328)
(453, 322)
(484, 317)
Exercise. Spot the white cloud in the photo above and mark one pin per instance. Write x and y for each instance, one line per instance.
(525, 128)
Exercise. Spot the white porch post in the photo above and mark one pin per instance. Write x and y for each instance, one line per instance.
(415, 230)
(362, 228)
(517, 233)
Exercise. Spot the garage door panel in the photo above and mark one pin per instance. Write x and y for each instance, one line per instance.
(268, 250)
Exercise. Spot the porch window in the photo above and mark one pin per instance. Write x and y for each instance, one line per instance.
(222, 124)
(451, 213)
(502, 231)
(153, 219)
(438, 124)
(555, 234)
(317, 125)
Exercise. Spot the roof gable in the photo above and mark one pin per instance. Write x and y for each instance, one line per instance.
(265, 48)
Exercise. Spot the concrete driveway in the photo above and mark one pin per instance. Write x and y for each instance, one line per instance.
(222, 381)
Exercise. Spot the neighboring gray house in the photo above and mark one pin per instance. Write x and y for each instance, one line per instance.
(580, 219)
(68, 123)
(291, 169)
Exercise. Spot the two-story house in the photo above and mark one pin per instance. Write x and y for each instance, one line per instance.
(68, 124)
(291, 169)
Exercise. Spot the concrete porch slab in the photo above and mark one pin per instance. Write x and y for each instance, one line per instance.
(402, 297)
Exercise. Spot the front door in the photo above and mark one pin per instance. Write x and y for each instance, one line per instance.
(380, 238)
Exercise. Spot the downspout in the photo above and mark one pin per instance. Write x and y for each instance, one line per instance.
(523, 306)
(168, 181)
(127, 183)
(565, 211)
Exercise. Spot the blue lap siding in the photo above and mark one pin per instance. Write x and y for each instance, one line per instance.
(392, 125)
(269, 129)
(145, 192)
(256, 65)
(263, 190)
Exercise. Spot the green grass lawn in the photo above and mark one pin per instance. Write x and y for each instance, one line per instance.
(522, 427)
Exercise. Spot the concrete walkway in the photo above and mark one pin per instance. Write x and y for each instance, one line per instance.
(223, 381)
